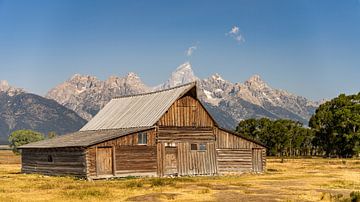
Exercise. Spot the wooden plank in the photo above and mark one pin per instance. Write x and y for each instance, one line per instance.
(181, 114)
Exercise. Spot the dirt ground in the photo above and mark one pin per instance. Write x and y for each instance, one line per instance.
(294, 180)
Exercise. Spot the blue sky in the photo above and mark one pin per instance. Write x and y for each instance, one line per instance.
(306, 47)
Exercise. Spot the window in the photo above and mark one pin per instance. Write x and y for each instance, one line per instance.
(198, 147)
(202, 147)
(50, 158)
(142, 138)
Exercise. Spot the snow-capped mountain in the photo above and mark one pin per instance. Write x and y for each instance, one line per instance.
(86, 95)
(252, 99)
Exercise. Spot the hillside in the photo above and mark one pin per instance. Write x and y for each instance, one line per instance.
(21, 110)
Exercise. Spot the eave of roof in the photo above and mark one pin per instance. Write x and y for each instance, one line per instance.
(84, 138)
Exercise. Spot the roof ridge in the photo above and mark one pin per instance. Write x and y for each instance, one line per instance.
(154, 92)
(107, 129)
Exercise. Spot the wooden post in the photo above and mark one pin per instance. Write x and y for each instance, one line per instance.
(114, 160)
(96, 162)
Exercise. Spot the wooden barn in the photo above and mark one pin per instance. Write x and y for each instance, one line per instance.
(162, 133)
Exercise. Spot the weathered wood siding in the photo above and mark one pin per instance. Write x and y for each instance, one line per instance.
(226, 140)
(189, 162)
(235, 154)
(234, 160)
(257, 160)
(130, 158)
(65, 161)
(186, 112)
(139, 159)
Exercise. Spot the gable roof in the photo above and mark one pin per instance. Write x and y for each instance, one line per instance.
(83, 138)
(142, 110)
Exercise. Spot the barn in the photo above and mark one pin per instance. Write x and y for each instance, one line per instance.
(163, 133)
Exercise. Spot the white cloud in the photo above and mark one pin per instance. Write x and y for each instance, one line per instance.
(234, 30)
(236, 35)
(191, 50)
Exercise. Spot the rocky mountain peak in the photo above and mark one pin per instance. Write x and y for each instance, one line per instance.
(10, 90)
(87, 94)
(133, 78)
(132, 75)
(217, 77)
(79, 77)
(4, 85)
(183, 74)
(184, 67)
(255, 81)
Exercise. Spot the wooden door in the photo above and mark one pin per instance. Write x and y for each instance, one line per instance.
(104, 161)
(257, 160)
(170, 161)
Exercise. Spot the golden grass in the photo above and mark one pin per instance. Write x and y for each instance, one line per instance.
(293, 180)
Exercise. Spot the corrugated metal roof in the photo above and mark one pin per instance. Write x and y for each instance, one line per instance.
(83, 138)
(141, 110)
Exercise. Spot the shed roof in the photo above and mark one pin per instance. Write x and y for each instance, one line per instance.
(142, 110)
(83, 138)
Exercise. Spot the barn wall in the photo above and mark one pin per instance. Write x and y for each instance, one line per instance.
(186, 112)
(66, 161)
(189, 162)
(226, 140)
(130, 158)
(235, 154)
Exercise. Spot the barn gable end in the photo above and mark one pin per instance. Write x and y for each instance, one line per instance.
(187, 111)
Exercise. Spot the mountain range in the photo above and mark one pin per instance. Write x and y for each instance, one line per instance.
(86, 95)
(67, 106)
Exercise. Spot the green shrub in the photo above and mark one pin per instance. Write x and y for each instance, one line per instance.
(22, 137)
(355, 196)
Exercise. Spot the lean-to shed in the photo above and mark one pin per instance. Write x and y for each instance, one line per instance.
(161, 133)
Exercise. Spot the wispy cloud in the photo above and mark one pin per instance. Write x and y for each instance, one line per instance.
(236, 35)
(190, 50)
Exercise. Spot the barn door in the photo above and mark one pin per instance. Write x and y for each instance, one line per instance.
(170, 161)
(257, 161)
(104, 161)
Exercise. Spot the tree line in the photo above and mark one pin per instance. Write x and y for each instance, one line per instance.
(334, 130)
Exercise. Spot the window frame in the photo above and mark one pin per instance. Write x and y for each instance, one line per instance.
(142, 137)
(200, 147)
(192, 145)
(50, 158)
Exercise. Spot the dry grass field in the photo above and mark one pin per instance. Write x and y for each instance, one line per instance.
(293, 180)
